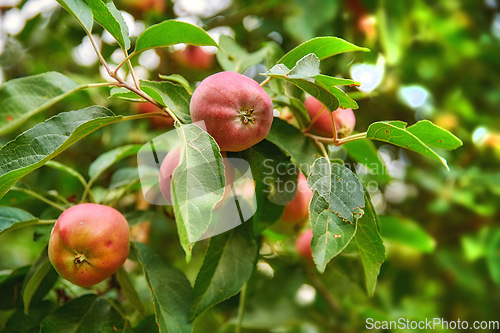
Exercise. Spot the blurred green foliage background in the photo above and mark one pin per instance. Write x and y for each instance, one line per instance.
(436, 60)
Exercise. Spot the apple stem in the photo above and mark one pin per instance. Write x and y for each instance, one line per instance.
(338, 142)
(313, 121)
(266, 81)
(354, 137)
(334, 127)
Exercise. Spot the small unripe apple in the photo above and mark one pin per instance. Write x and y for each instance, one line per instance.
(157, 122)
(297, 210)
(344, 119)
(195, 57)
(303, 244)
(171, 161)
(89, 243)
(236, 111)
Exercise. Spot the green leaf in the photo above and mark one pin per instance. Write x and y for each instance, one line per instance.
(125, 94)
(370, 245)
(228, 264)
(19, 322)
(89, 313)
(267, 212)
(297, 108)
(24, 97)
(322, 47)
(306, 75)
(110, 18)
(172, 95)
(10, 289)
(124, 177)
(406, 232)
(232, 57)
(129, 291)
(12, 218)
(104, 161)
(177, 78)
(395, 132)
(330, 83)
(336, 205)
(81, 11)
(33, 148)
(38, 275)
(294, 143)
(172, 32)
(365, 152)
(197, 184)
(170, 289)
(434, 136)
(66, 169)
(273, 168)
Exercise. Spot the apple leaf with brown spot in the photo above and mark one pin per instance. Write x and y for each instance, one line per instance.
(417, 138)
(33, 148)
(337, 203)
(25, 97)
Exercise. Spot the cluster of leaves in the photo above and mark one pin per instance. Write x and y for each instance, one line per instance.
(340, 220)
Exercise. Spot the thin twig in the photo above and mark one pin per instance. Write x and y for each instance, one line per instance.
(40, 197)
(145, 96)
(308, 128)
(131, 68)
(320, 138)
(338, 142)
(124, 61)
(86, 191)
(98, 85)
(122, 83)
(241, 309)
(322, 290)
(350, 138)
(322, 148)
(99, 54)
(334, 127)
(266, 81)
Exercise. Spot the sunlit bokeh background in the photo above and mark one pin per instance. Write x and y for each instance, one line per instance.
(436, 60)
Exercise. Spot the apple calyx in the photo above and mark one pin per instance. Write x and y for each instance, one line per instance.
(80, 258)
(247, 116)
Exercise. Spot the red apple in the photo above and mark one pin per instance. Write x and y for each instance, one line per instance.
(367, 24)
(143, 6)
(89, 243)
(303, 244)
(157, 122)
(195, 57)
(235, 109)
(344, 119)
(171, 161)
(297, 210)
